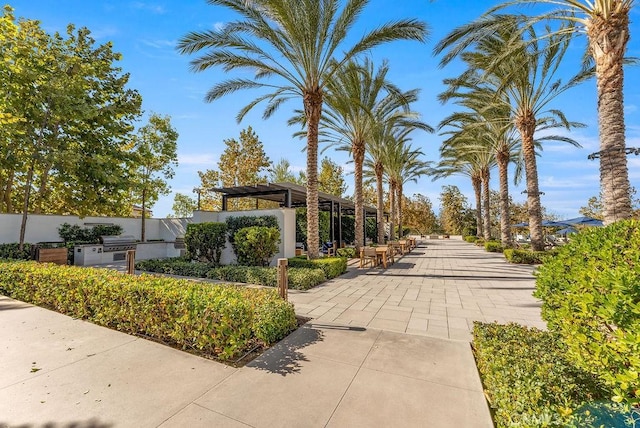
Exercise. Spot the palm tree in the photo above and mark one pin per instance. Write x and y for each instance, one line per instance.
(402, 164)
(497, 133)
(385, 134)
(301, 45)
(524, 79)
(606, 25)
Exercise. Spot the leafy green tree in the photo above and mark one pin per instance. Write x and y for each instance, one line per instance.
(67, 145)
(419, 214)
(301, 45)
(453, 210)
(280, 172)
(331, 178)
(154, 157)
(183, 206)
(242, 163)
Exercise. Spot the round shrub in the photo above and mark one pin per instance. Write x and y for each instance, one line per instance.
(591, 297)
(256, 245)
(205, 241)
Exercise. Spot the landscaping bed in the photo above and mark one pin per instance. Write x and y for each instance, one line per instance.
(303, 273)
(529, 381)
(214, 320)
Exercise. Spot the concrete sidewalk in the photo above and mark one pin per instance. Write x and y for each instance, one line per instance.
(375, 355)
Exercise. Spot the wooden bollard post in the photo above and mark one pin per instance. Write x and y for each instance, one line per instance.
(131, 262)
(283, 279)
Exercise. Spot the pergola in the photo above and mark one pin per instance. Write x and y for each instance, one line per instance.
(290, 195)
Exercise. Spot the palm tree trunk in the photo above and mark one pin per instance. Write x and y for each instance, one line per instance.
(505, 226)
(608, 43)
(392, 208)
(358, 158)
(400, 196)
(486, 203)
(313, 110)
(526, 126)
(379, 170)
(476, 182)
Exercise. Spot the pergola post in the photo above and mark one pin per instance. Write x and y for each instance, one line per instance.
(339, 225)
(224, 202)
(331, 225)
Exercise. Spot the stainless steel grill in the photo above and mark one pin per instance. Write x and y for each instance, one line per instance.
(112, 244)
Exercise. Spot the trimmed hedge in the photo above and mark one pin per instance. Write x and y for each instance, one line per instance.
(528, 379)
(493, 247)
(219, 320)
(234, 224)
(256, 245)
(300, 278)
(12, 251)
(470, 238)
(591, 297)
(205, 241)
(332, 266)
(348, 253)
(527, 256)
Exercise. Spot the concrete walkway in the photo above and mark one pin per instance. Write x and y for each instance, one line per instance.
(353, 365)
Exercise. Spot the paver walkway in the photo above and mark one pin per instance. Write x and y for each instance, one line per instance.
(438, 290)
(353, 365)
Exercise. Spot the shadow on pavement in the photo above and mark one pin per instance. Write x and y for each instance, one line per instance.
(91, 423)
(284, 358)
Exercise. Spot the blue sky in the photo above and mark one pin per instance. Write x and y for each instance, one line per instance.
(145, 32)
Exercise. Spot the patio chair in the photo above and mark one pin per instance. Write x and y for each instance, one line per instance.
(368, 256)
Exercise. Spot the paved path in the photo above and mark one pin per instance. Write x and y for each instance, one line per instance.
(353, 365)
(438, 290)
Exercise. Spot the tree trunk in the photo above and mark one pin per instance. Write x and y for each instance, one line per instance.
(392, 208)
(608, 43)
(476, 182)
(505, 226)
(379, 170)
(358, 149)
(144, 214)
(6, 192)
(486, 203)
(400, 192)
(25, 205)
(526, 126)
(313, 110)
(42, 189)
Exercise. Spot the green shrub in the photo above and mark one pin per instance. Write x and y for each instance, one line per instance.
(493, 246)
(332, 266)
(176, 266)
(527, 256)
(205, 241)
(348, 253)
(480, 242)
(471, 238)
(256, 245)
(591, 297)
(229, 273)
(528, 380)
(12, 251)
(234, 224)
(305, 278)
(219, 320)
(88, 235)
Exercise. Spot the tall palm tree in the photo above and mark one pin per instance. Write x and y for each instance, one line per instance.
(402, 164)
(300, 45)
(355, 98)
(382, 140)
(524, 78)
(606, 25)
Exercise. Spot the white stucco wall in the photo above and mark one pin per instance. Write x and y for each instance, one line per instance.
(44, 228)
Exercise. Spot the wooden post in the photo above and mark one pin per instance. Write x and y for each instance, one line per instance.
(131, 262)
(283, 278)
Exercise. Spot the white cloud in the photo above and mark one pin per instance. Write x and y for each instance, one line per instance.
(630, 108)
(218, 26)
(104, 32)
(159, 44)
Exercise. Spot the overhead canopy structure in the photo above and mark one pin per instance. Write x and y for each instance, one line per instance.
(290, 195)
